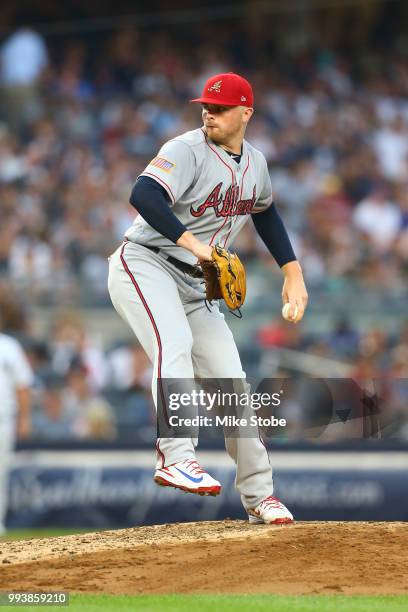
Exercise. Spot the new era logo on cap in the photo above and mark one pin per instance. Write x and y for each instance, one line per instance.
(228, 89)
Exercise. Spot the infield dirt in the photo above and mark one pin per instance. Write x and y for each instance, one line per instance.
(215, 557)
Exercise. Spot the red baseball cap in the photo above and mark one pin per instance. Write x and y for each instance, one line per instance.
(227, 89)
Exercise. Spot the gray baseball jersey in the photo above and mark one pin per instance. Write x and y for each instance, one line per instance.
(210, 193)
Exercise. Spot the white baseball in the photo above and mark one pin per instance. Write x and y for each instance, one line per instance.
(285, 312)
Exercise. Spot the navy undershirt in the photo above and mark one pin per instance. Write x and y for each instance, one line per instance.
(271, 229)
(235, 156)
(152, 201)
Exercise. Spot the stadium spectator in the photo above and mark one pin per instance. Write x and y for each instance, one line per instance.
(95, 419)
(54, 419)
(23, 59)
(378, 219)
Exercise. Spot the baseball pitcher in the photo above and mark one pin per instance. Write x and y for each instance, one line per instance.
(193, 198)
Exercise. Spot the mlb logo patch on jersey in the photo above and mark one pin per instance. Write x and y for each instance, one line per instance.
(163, 164)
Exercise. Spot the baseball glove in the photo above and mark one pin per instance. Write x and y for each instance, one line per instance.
(224, 278)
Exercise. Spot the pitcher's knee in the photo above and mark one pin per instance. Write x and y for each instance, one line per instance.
(177, 361)
(182, 348)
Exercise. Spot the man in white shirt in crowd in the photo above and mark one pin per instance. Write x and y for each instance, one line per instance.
(23, 60)
(378, 218)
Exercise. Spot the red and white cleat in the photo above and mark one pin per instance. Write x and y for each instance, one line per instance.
(188, 476)
(270, 511)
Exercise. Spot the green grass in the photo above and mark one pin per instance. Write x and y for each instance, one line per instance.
(235, 603)
(47, 532)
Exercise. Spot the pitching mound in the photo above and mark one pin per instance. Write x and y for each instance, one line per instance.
(215, 557)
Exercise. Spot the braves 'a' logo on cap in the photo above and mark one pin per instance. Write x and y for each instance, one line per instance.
(216, 86)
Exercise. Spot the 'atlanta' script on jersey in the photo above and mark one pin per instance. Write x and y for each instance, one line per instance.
(228, 205)
(212, 195)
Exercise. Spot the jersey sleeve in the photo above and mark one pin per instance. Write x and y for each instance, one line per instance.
(173, 168)
(19, 368)
(265, 198)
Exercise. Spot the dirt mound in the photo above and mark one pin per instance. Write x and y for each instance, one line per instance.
(215, 557)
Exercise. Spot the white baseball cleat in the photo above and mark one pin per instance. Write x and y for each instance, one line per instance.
(270, 511)
(188, 476)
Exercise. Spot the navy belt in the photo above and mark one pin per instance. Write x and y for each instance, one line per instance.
(194, 271)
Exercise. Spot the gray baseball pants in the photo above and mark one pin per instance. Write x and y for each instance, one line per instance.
(166, 310)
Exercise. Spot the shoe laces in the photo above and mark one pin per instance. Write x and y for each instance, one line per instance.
(193, 466)
(271, 501)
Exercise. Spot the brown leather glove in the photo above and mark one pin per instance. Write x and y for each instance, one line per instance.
(225, 278)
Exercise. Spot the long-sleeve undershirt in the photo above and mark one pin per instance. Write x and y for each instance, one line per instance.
(152, 202)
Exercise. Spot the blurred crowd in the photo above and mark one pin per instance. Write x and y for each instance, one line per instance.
(85, 391)
(79, 122)
(81, 391)
(365, 372)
